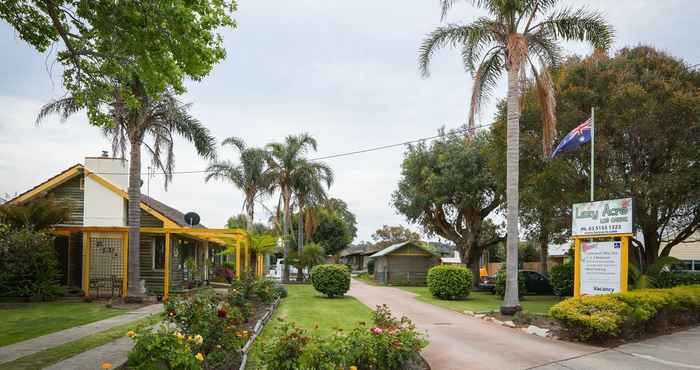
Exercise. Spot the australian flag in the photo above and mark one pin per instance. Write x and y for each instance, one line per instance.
(574, 139)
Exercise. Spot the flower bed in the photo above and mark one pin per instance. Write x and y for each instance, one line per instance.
(207, 330)
(628, 315)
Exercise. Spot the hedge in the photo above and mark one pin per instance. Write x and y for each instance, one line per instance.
(449, 281)
(500, 287)
(562, 279)
(670, 279)
(331, 279)
(626, 315)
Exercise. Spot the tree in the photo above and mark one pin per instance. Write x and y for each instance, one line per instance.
(340, 207)
(647, 145)
(121, 60)
(395, 234)
(519, 34)
(241, 222)
(333, 232)
(286, 162)
(449, 189)
(38, 215)
(152, 125)
(248, 176)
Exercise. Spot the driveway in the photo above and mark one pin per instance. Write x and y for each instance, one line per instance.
(463, 342)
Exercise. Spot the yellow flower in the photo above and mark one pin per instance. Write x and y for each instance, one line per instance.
(106, 365)
(130, 334)
(198, 339)
(179, 336)
(189, 338)
(199, 356)
(353, 367)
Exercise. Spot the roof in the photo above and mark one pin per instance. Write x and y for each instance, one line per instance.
(162, 209)
(353, 249)
(456, 259)
(395, 247)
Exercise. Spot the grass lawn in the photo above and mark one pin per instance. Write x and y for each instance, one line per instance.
(365, 278)
(485, 301)
(53, 355)
(308, 308)
(23, 321)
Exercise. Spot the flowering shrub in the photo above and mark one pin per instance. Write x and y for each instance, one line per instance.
(389, 344)
(225, 273)
(164, 349)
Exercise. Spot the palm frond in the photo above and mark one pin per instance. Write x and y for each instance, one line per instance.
(454, 35)
(445, 6)
(578, 25)
(236, 142)
(485, 79)
(65, 107)
(195, 132)
(543, 44)
(548, 104)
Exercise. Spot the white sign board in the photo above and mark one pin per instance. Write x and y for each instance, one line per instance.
(606, 217)
(600, 267)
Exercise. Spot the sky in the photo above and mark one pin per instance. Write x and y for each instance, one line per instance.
(344, 72)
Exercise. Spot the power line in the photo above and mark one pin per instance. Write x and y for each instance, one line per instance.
(339, 155)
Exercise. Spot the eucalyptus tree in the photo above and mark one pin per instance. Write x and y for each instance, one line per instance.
(517, 37)
(152, 125)
(249, 175)
(286, 163)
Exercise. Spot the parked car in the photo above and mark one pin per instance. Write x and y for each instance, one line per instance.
(535, 283)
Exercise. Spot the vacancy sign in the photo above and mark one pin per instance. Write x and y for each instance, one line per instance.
(607, 217)
(601, 267)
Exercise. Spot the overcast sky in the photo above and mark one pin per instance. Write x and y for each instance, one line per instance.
(343, 71)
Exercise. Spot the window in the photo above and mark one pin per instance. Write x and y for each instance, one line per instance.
(158, 253)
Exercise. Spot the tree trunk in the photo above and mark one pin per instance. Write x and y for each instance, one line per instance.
(300, 241)
(250, 210)
(134, 221)
(511, 303)
(474, 267)
(285, 233)
(544, 253)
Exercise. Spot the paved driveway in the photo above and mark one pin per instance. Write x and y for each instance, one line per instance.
(463, 342)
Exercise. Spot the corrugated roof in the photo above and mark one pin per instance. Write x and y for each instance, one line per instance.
(394, 247)
(353, 249)
(169, 212)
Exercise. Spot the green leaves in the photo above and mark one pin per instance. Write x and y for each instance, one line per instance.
(449, 282)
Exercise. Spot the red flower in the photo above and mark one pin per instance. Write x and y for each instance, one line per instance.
(221, 313)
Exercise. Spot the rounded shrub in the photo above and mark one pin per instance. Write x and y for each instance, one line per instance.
(562, 279)
(333, 280)
(449, 282)
(500, 288)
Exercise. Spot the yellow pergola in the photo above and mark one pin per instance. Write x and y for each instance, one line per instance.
(220, 236)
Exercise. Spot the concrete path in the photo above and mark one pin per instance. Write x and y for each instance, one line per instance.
(115, 352)
(461, 342)
(30, 346)
(677, 351)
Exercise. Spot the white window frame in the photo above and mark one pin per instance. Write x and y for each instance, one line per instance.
(153, 254)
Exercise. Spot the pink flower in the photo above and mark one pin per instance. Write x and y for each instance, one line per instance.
(377, 331)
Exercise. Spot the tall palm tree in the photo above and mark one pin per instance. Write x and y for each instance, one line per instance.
(309, 189)
(516, 36)
(152, 124)
(286, 162)
(249, 175)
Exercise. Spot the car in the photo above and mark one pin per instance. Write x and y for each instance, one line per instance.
(535, 283)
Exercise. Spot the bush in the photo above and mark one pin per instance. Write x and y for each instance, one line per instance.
(628, 314)
(267, 290)
(449, 281)
(331, 279)
(28, 264)
(670, 279)
(389, 344)
(500, 288)
(370, 266)
(562, 279)
(163, 349)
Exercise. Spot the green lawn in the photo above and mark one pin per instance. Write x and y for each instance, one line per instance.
(485, 301)
(308, 309)
(23, 321)
(53, 355)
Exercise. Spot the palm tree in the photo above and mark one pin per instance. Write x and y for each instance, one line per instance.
(516, 36)
(152, 124)
(286, 162)
(309, 189)
(248, 176)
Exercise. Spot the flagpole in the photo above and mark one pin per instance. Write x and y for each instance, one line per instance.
(592, 153)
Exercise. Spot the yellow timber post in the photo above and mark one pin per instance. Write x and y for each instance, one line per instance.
(86, 263)
(238, 259)
(247, 257)
(125, 263)
(577, 267)
(624, 255)
(166, 267)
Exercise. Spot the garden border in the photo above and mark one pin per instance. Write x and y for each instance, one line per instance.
(257, 329)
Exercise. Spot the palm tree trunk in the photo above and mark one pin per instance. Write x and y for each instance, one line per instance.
(285, 232)
(250, 210)
(134, 221)
(300, 241)
(511, 303)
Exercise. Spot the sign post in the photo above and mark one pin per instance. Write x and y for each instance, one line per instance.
(601, 232)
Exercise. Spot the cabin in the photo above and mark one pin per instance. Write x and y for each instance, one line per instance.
(405, 263)
(92, 243)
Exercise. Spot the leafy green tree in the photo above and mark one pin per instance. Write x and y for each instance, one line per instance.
(249, 175)
(449, 189)
(152, 125)
(516, 36)
(39, 215)
(241, 222)
(286, 163)
(340, 207)
(333, 233)
(394, 234)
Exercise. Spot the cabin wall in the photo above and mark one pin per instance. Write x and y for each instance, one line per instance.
(71, 193)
